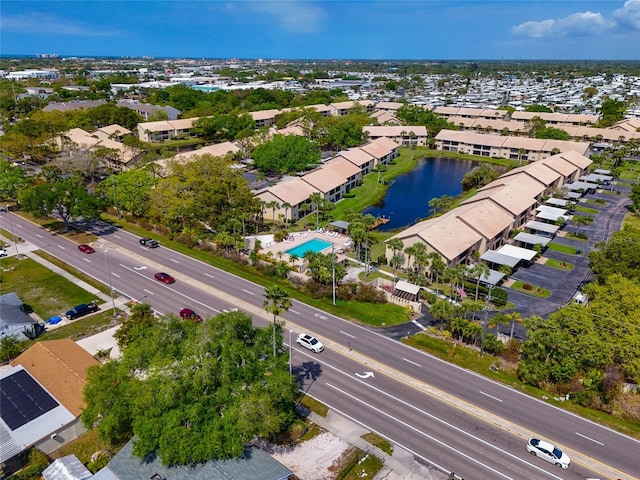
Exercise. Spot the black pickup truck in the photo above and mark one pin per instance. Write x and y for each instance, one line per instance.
(149, 242)
(81, 310)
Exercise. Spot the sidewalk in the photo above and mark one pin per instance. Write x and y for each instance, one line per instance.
(401, 465)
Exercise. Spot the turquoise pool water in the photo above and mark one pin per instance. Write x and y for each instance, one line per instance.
(315, 245)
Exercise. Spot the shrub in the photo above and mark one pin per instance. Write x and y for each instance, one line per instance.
(499, 297)
(492, 344)
(382, 260)
(369, 293)
(349, 195)
(527, 286)
(430, 298)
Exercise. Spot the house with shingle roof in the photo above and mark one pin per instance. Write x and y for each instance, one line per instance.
(14, 322)
(254, 464)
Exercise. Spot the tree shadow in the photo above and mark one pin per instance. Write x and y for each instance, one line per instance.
(306, 374)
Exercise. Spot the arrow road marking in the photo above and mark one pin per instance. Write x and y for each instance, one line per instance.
(140, 268)
(365, 375)
(320, 316)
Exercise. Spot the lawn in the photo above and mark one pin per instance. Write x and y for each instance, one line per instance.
(590, 211)
(534, 290)
(559, 247)
(560, 265)
(43, 291)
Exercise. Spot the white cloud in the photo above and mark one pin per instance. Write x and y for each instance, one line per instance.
(629, 15)
(295, 16)
(586, 24)
(37, 23)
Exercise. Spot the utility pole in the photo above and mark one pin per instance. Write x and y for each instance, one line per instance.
(15, 241)
(333, 274)
(484, 322)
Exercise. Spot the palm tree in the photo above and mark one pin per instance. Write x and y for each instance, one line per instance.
(478, 271)
(411, 252)
(277, 301)
(315, 199)
(286, 206)
(273, 205)
(395, 244)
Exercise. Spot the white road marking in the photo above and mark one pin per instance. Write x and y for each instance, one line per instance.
(38, 235)
(490, 396)
(18, 225)
(145, 290)
(247, 291)
(588, 438)
(60, 246)
(117, 236)
(347, 334)
(419, 325)
(115, 274)
(293, 311)
(209, 275)
(87, 260)
(174, 260)
(409, 361)
(440, 442)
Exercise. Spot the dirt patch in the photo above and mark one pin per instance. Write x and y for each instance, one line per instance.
(317, 459)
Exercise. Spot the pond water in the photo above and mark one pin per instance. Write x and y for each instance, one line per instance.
(407, 199)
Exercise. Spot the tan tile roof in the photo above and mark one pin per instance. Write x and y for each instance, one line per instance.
(292, 190)
(537, 170)
(341, 167)
(115, 129)
(566, 146)
(320, 180)
(60, 366)
(380, 147)
(446, 110)
(81, 138)
(264, 114)
(450, 237)
(394, 130)
(389, 105)
(576, 159)
(527, 143)
(485, 217)
(357, 156)
(560, 165)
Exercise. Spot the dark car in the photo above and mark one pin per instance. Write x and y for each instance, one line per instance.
(164, 278)
(81, 310)
(188, 314)
(86, 248)
(149, 242)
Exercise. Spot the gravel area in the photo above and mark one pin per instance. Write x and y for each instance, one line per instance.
(315, 459)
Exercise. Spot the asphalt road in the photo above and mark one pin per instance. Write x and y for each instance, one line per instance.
(444, 414)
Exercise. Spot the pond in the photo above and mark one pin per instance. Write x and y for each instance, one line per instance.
(407, 199)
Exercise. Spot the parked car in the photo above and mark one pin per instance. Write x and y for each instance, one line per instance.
(309, 341)
(164, 278)
(548, 452)
(3, 252)
(188, 314)
(81, 310)
(85, 248)
(149, 242)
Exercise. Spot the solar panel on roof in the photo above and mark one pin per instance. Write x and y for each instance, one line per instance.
(22, 399)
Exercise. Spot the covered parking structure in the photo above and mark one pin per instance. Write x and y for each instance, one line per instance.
(597, 179)
(493, 278)
(558, 203)
(541, 228)
(493, 257)
(551, 214)
(519, 253)
(529, 240)
(578, 187)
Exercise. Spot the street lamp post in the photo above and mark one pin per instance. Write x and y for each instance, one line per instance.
(113, 301)
(484, 322)
(290, 351)
(15, 242)
(333, 275)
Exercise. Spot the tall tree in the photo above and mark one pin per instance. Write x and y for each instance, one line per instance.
(276, 301)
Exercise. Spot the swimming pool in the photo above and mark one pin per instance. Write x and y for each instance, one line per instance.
(315, 245)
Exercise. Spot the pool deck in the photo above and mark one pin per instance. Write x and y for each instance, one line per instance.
(342, 243)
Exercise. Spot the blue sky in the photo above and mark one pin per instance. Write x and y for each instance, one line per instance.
(357, 29)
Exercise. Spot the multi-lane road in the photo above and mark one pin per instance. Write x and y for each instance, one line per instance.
(445, 415)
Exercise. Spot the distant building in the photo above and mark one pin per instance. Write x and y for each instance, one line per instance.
(14, 322)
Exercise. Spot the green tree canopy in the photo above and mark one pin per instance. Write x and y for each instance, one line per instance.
(191, 392)
(286, 154)
(67, 198)
(611, 111)
(12, 180)
(129, 190)
(415, 115)
(340, 133)
(620, 254)
(202, 195)
(552, 133)
(321, 267)
(223, 127)
(479, 176)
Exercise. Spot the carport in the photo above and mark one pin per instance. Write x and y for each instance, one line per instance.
(340, 225)
(558, 202)
(493, 278)
(579, 186)
(518, 252)
(597, 179)
(529, 240)
(551, 214)
(492, 257)
(541, 228)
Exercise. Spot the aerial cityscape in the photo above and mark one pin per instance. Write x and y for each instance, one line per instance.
(319, 240)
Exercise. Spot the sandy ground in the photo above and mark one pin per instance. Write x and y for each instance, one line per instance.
(314, 459)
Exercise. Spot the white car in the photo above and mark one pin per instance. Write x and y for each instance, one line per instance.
(3, 252)
(548, 452)
(308, 341)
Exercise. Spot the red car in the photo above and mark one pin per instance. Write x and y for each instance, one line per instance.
(164, 278)
(188, 314)
(85, 249)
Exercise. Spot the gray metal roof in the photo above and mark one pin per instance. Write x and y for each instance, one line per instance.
(498, 258)
(558, 202)
(549, 215)
(542, 227)
(66, 468)
(255, 464)
(531, 239)
(578, 186)
(595, 178)
(340, 224)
